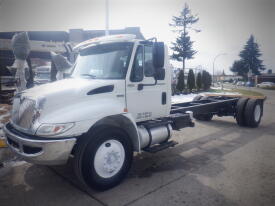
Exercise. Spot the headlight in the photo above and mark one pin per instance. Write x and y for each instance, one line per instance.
(53, 129)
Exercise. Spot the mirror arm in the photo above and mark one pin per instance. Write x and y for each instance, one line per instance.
(140, 86)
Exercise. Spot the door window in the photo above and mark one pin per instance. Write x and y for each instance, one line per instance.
(137, 70)
(148, 61)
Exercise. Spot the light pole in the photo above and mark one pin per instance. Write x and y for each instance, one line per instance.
(107, 18)
(198, 69)
(221, 54)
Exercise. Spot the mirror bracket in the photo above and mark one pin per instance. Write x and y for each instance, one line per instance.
(140, 86)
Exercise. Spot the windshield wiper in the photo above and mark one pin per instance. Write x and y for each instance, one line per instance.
(89, 75)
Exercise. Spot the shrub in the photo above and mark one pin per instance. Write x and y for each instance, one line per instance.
(181, 84)
(199, 81)
(191, 80)
(206, 80)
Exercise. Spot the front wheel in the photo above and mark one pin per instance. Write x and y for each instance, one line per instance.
(105, 158)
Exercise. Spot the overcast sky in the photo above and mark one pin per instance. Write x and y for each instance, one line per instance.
(226, 24)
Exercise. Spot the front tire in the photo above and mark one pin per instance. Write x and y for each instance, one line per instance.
(104, 158)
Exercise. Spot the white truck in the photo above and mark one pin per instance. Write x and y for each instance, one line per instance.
(116, 102)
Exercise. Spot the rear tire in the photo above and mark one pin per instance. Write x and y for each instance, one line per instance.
(240, 117)
(253, 113)
(197, 98)
(207, 117)
(103, 158)
(202, 117)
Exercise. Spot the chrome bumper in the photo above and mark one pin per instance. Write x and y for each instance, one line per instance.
(46, 152)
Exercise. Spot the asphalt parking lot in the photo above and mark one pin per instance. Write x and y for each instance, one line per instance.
(215, 163)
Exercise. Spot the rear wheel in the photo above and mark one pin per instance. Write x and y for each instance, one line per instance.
(253, 113)
(104, 159)
(240, 109)
(202, 117)
(197, 98)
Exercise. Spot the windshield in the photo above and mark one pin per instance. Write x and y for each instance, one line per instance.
(105, 61)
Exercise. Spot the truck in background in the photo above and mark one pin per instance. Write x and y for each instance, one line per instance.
(42, 75)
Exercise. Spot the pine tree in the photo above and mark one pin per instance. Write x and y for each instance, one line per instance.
(183, 46)
(191, 80)
(181, 84)
(198, 81)
(240, 68)
(250, 56)
(250, 60)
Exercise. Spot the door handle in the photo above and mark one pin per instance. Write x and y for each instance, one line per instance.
(120, 95)
(163, 98)
(131, 85)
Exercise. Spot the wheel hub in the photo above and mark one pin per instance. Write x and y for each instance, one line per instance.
(257, 113)
(111, 161)
(109, 158)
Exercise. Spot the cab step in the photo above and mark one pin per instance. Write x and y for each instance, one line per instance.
(161, 146)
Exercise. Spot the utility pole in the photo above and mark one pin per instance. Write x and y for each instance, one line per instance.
(221, 54)
(184, 35)
(107, 17)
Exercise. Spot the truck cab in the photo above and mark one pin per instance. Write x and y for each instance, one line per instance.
(117, 84)
(128, 62)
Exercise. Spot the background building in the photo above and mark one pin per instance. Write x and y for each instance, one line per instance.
(43, 42)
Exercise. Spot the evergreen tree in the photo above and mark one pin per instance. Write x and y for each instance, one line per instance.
(206, 80)
(209, 81)
(191, 80)
(183, 46)
(250, 59)
(181, 84)
(250, 55)
(240, 68)
(199, 81)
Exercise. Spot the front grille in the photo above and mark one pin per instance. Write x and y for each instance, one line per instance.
(26, 149)
(23, 111)
(31, 150)
(13, 143)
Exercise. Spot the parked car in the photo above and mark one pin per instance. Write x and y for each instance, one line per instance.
(249, 84)
(235, 82)
(266, 84)
(42, 75)
(239, 83)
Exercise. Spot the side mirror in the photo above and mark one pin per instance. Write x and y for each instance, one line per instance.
(160, 74)
(158, 55)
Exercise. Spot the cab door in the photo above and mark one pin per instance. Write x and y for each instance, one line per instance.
(147, 102)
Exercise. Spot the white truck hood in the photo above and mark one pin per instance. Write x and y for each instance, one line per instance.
(72, 100)
(67, 91)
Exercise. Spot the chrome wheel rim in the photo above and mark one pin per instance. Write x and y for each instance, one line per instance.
(257, 113)
(109, 158)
